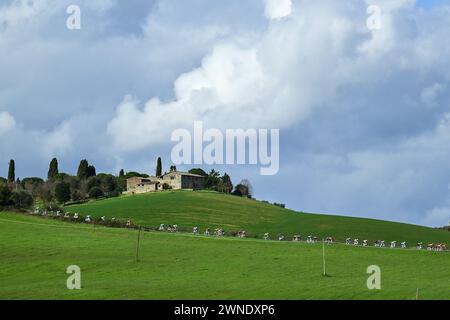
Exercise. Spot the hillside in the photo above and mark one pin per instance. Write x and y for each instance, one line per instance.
(35, 253)
(209, 209)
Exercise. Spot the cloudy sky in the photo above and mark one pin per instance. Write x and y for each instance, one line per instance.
(364, 115)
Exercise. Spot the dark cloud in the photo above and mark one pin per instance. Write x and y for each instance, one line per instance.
(363, 116)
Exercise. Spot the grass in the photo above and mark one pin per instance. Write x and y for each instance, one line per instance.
(208, 209)
(35, 252)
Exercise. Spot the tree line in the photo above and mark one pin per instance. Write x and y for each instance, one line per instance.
(61, 188)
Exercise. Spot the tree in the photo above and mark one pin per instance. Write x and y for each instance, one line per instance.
(132, 174)
(95, 193)
(52, 169)
(62, 192)
(32, 184)
(107, 182)
(22, 199)
(249, 186)
(32, 181)
(159, 167)
(44, 192)
(11, 171)
(122, 181)
(173, 168)
(212, 180)
(62, 176)
(5, 195)
(243, 189)
(226, 184)
(198, 171)
(91, 172)
(82, 172)
(75, 195)
(93, 182)
(240, 190)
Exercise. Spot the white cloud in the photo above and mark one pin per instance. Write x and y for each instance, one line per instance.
(277, 9)
(230, 82)
(21, 11)
(7, 122)
(57, 141)
(274, 79)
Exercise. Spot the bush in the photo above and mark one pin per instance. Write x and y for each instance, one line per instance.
(113, 194)
(241, 191)
(53, 206)
(5, 196)
(22, 199)
(76, 195)
(62, 192)
(95, 193)
(282, 205)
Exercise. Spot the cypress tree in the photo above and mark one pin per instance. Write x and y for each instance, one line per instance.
(52, 169)
(91, 172)
(82, 172)
(159, 167)
(227, 185)
(12, 171)
(121, 173)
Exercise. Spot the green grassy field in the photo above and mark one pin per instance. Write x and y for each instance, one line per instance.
(209, 209)
(35, 252)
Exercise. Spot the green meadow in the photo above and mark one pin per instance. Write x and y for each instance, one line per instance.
(35, 252)
(214, 210)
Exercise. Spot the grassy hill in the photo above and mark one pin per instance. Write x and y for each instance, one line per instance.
(209, 209)
(35, 252)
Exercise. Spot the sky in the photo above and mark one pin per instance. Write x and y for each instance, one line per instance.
(364, 115)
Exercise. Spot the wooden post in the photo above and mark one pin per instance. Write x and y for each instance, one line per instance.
(323, 258)
(138, 243)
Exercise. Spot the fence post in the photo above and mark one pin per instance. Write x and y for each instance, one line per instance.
(138, 243)
(323, 258)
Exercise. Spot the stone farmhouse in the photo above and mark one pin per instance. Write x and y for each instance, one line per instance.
(142, 185)
(176, 180)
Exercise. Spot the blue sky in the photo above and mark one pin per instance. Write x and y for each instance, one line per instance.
(428, 3)
(363, 115)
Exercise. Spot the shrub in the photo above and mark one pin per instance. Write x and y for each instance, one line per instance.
(95, 193)
(113, 194)
(166, 186)
(22, 199)
(5, 195)
(53, 206)
(76, 195)
(62, 192)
